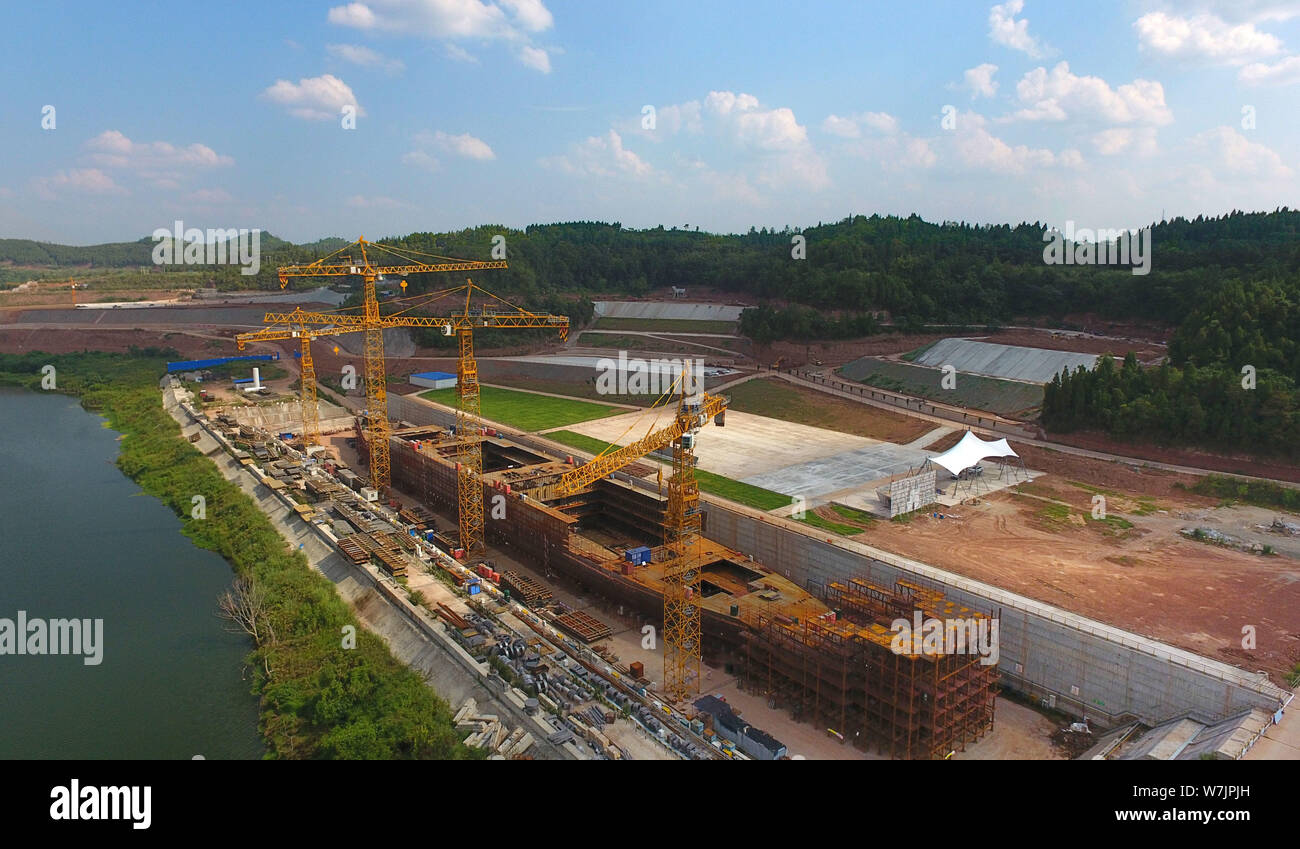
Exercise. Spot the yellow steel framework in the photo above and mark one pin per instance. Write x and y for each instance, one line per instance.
(682, 525)
(373, 323)
(377, 425)
(310, 409)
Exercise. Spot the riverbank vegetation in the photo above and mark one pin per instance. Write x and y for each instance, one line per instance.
(318, 698)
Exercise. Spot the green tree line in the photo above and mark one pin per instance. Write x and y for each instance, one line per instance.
(318, 699)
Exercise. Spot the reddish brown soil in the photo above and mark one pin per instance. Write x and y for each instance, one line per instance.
(837, 353)
(1146, 579)
(1146, 351)
(943, 443)
(18, 341)
(1267, 468)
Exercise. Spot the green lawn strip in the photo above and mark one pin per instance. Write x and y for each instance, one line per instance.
(742, 493)
(853, 514)
(578, 440)
(318, 699)
(817, 521)
(526, 410)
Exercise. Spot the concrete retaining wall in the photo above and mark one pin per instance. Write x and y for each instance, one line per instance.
(1045, 651)
(1089, 668)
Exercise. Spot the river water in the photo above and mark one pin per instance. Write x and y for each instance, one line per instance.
(80, 540)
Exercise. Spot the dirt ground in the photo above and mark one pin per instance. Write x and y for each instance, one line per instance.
(1019, 734)
(193, 344)
(1147, 351)
(1146, 579)
(1267, 468)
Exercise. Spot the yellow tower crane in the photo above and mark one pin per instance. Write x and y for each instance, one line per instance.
(682, 524)
(339, 264)
(307, 374)
(461, 325)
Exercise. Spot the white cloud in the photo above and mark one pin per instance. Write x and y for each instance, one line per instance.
(420, 159)
(463, 145)
(314, 98)
(1284, 72)
(532, 15)
(740, 126)
(1253, 11)
(1229, 152)
(365, 57)
(1004, 29)
(1061, 95)
(980, 150)
(113, 149)
(845, 128)
(460, 54)
(980, 80)
(766, 129)
(511, 21)
(1140, 141)
(851, 127)
(77, 181)
(678, 117)
(163, 164)
(601, 156)
(535, 58)
(1204, 38)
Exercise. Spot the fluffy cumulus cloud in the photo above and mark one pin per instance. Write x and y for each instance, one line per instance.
(1006, 30)
(314, 98)
(535, 58)
(1138, 141)
(463, 145)
(978, 149)
(164, 164)
(511, 21)
(1061, 95)
(421, 159)
(78, 181)
(979, 80)
(1204, 38)
(1283, 72)
(364, 57)
(601, 156)
(853, 126)
(1228, 153)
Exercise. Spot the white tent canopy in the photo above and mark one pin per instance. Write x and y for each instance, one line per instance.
(969, 451)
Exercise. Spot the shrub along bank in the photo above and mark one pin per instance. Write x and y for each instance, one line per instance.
(318, 699)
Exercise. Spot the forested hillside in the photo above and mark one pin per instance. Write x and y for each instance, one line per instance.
(914, 270)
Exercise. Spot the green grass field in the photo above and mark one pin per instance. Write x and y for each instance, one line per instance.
(525, 410)
(674, 325)
(723, 487)
(580, 441)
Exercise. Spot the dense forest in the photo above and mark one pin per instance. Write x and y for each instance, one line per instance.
(910, 269)
(1229, 285)
(1230, 383)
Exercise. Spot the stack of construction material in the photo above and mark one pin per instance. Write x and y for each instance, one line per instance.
(487, 732)
(586, 628)
(525, 589)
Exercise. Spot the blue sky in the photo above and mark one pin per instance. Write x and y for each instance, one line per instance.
(514, 112)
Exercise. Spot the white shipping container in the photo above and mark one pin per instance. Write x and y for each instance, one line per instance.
(369, 493)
